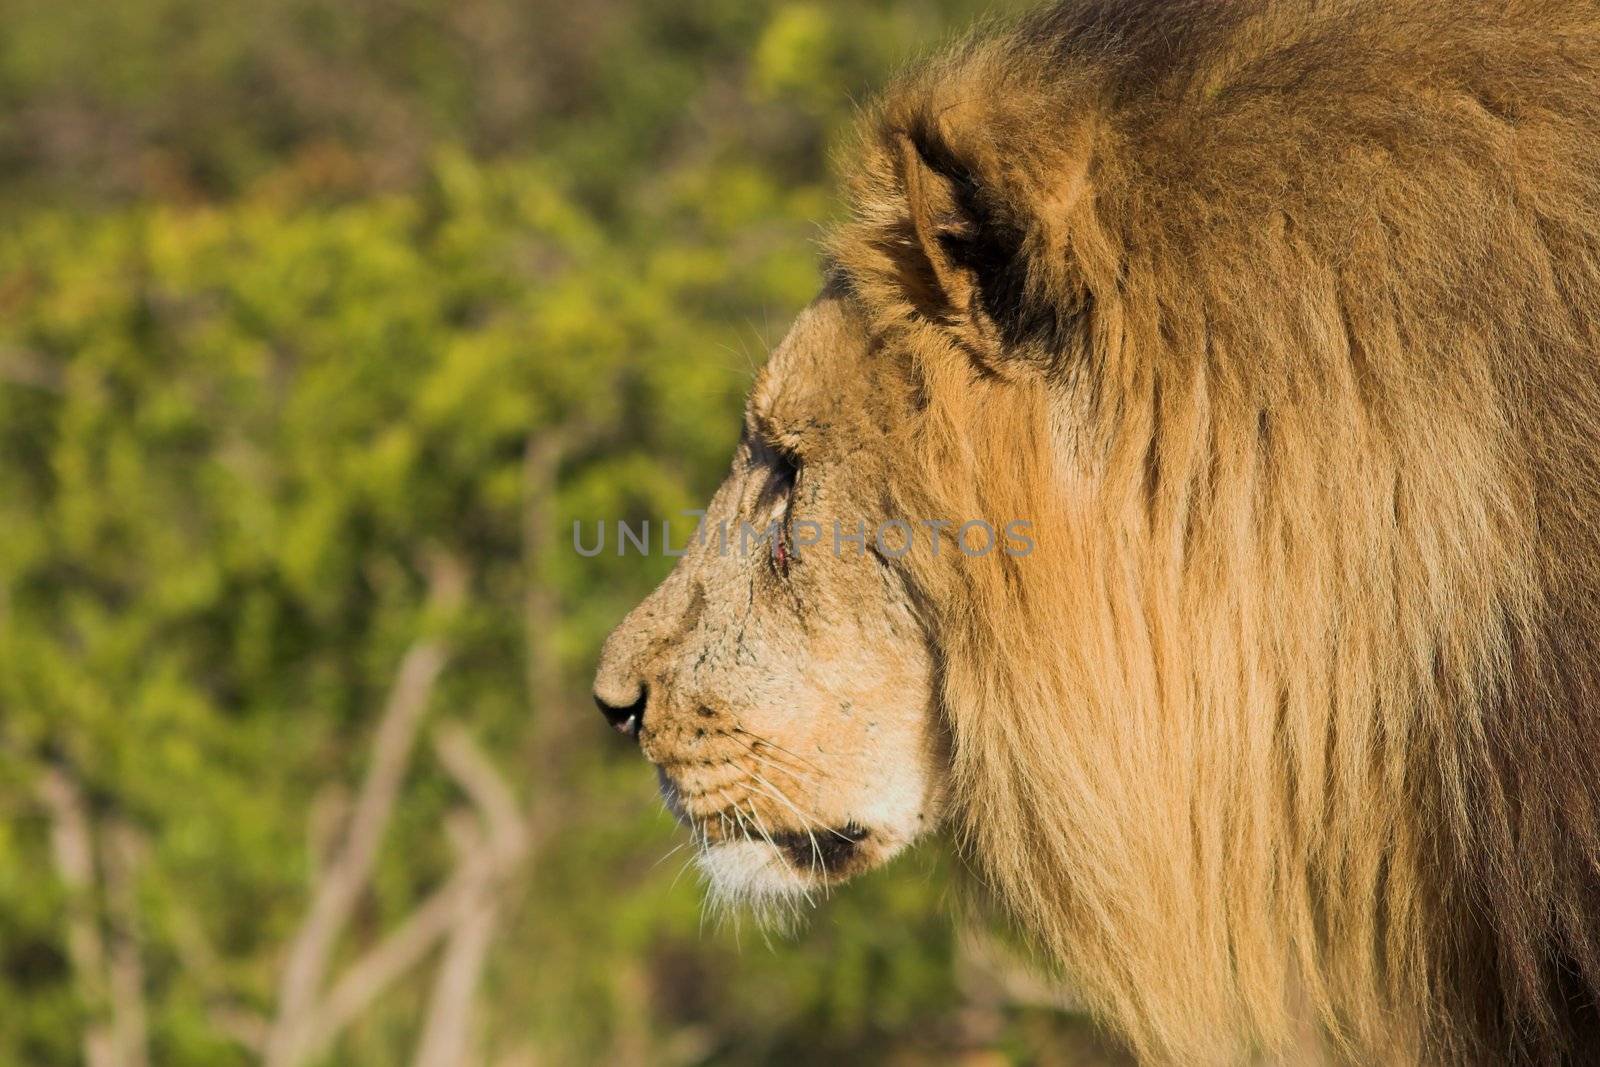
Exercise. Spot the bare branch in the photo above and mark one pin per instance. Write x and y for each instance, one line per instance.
(349, 870)
(330, 813)
(447, 1028)
(369, 976)
(72, 844)
(121, 853)
(483, 784)
(447, 1034)
(446, 1031)
(464, 910)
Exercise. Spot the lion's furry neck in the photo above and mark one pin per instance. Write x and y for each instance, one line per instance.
(1301, 689)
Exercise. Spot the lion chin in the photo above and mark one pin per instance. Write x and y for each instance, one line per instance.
(754, 877)
(770, 870)
(772, 875)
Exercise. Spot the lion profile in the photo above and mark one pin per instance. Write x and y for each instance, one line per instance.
(1279, 323)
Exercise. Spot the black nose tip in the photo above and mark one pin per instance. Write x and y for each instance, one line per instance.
(624, 719)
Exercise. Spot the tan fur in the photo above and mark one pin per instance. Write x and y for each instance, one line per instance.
(1279, 322)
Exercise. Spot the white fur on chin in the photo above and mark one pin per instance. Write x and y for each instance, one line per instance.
(753, 876)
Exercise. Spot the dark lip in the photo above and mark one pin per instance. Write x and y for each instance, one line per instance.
(832, 848)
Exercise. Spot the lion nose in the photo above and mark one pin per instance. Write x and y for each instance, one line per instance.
(625, 718)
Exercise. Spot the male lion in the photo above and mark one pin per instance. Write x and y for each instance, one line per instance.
(1277, 322)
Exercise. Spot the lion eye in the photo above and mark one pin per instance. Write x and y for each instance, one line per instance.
(785, 471)
(780, 487)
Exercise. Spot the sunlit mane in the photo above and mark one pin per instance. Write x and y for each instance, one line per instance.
(1288, 342)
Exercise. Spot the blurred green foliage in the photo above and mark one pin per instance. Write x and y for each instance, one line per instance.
(293, 297)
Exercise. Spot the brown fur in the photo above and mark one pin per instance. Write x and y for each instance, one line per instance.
(1281, 323)
(1301, 697)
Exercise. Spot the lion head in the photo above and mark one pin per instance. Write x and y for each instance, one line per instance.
(1185, 490)
(779, 679)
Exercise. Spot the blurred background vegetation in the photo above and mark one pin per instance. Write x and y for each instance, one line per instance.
(320, 323)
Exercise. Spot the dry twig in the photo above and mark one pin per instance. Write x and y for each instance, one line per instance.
(110, 980)
(299, 1027)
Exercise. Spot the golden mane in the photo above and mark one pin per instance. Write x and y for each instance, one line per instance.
(1282, 321)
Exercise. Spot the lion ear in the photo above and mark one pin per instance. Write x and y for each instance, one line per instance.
(987, 257)
(944, 277)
